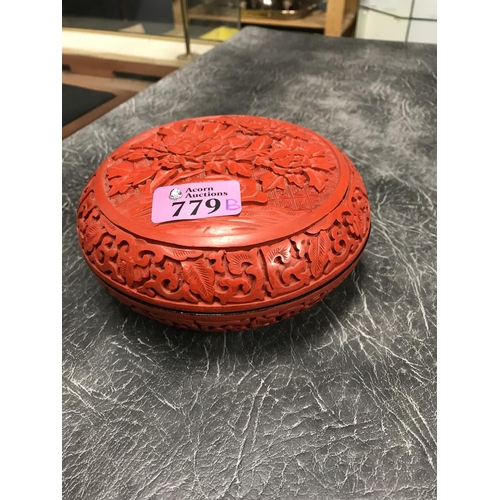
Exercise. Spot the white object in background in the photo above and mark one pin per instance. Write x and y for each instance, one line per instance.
(131, 48)
(375, 26)
(425, 9)
(423, 31)
(378, 26)
(399, 8)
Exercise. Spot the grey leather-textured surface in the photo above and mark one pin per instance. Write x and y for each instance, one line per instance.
(336, 403)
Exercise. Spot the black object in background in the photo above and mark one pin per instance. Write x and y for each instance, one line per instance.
(78, 101)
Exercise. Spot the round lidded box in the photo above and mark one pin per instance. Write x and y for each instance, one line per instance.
(304, 222)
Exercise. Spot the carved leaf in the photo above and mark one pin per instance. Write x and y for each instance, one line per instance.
(212, 127)
(298, 180)
(305, 162)
(281, 251)
(170, 162)
(178, 254)
(142, 175)
(280, 183)
(243, 154)
(159, 146)
(203, 148)
(229, 132)
(236, 260)
(93, 236)
(138, 154)
(319, 247)
(121, 170)
(239, 168)
(321, 164)
(167, 164)
(263, 162)
(190, 164)
(279, 136)
(291, 143)
(262, 142)
(143, 163)
(156, 154)
(278, 170)
(145, 188)
(178, 127)
(316, 179)
(267, 180)
(284, 162)
(144, 144)
(92, 231)
(193, 127)
(215, 145)
(281, 153)
(179, 148)
(120, 154)
(271, 181)
(162, 177)
(201, 279)
(239, 142)
(250, 192)
(215, 166)
(155, 165)
(223, 152)
(119, 187)
(315, 150)
(299, 134)
(167, 131)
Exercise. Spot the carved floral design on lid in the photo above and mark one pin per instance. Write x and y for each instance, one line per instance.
(286, 167)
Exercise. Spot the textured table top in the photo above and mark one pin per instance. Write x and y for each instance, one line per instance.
(336, 403)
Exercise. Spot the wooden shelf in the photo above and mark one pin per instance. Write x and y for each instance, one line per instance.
(315, 20)
(347, 21)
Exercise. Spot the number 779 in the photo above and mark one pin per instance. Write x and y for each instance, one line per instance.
(212, 203)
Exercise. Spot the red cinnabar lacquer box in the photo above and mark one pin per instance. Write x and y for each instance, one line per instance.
(303, 224)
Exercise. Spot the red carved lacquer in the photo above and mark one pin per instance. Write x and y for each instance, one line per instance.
(304, 223)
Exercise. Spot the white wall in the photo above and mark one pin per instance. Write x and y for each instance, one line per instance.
(379, 26)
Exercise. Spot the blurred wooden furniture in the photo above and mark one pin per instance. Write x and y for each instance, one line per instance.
(340, 16)
(110, 67)
(335, 21)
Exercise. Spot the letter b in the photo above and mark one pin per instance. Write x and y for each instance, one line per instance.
(232, 204)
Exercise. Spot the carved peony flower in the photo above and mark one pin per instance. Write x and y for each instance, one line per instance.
(227, 147)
